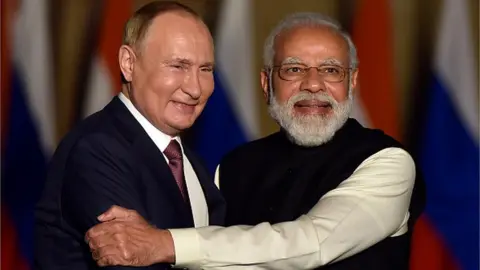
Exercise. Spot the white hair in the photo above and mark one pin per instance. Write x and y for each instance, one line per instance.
(306, 19)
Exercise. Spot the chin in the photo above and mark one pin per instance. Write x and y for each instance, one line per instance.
(182, 125)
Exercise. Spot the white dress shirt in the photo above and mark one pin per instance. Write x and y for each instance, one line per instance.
(370, 205)
(197, 198)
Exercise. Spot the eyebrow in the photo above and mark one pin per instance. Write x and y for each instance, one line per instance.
(188, 62)
(179, 60)
(296, 60)
(331, 61)
(208, 64)
(292, 60)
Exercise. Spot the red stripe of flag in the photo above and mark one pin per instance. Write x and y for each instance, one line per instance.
(428, 251)
(114, 19)
(11, 256)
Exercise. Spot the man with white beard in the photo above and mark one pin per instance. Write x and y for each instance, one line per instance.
(323, 192)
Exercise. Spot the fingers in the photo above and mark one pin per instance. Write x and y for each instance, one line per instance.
(115, 212)
(109, 260)
(105, 251)
(113, 254)
(112, 260)
(105, 233)
(123, 240)
(110, 256)
(106, 239)
(97, 230)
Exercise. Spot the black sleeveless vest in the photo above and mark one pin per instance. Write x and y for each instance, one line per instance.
(273, 180)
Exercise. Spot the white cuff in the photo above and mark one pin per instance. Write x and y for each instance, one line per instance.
(187, 248)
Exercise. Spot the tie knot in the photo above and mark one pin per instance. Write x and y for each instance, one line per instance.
(173, 151)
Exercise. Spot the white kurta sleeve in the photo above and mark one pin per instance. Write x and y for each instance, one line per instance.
(374, 199)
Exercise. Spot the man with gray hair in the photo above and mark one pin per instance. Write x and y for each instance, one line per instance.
(323, 192)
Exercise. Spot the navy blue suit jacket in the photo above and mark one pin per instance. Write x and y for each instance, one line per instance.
(108, 159)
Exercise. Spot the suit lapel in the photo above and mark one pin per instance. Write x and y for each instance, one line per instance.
(149, 154)
(154, 161)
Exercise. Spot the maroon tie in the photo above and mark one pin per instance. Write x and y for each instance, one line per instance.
(175, 162)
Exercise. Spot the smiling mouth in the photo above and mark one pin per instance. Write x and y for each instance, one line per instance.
(313, 104)
(184, 104)
(184, 107)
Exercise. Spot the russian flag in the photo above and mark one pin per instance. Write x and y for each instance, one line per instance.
(230, 117)
(447, 237)
(27, 124)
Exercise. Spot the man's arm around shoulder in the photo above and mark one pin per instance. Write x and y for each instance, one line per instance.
(375, 196)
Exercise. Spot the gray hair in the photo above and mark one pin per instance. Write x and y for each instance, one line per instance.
(306, 19)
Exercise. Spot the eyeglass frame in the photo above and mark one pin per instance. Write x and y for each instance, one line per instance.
(308, 68)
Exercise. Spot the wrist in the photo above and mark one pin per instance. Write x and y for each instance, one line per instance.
(164, 247)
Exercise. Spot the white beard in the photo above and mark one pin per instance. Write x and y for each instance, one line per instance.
(310, 130)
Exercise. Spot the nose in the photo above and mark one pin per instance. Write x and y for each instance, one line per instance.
(313, 82)
(191, 85)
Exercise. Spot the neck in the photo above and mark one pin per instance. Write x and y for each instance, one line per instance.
(125, 91)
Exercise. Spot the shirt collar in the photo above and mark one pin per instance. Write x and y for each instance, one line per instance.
(159, 138)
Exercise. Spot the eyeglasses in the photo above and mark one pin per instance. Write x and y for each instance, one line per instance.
(296, 72)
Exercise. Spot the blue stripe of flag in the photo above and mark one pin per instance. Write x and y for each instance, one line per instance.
(217, 130)
(23, 167)
(450, 162)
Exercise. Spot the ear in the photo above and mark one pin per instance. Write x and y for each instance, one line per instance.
(354, 80)
(126, 60)
(265, 82)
